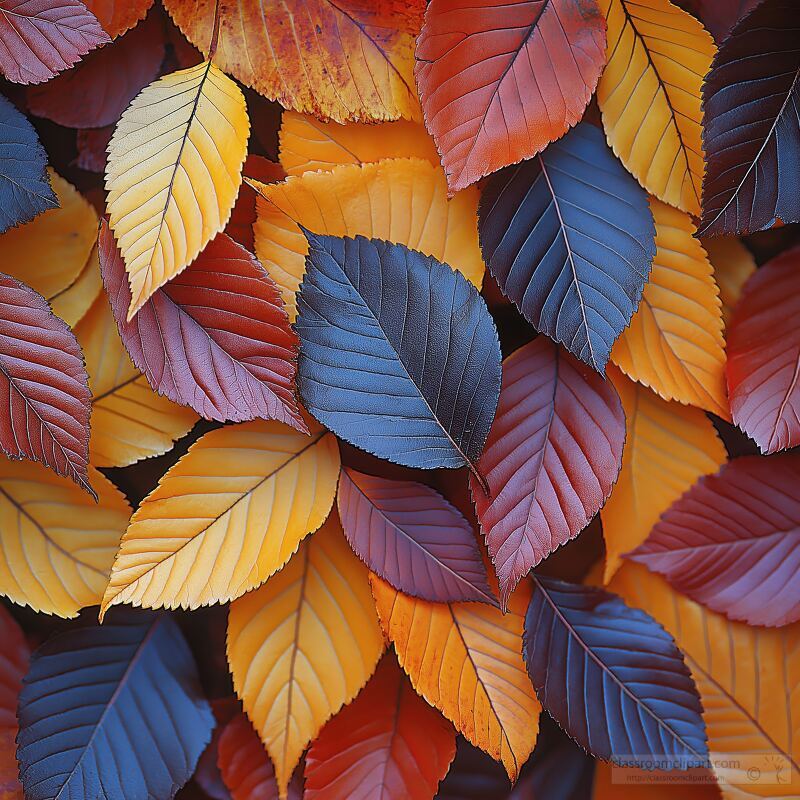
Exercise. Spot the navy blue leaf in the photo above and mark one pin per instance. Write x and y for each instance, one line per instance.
(398, 353)
(24, 186)
(570, 238)
(112, 713)
(610, 675)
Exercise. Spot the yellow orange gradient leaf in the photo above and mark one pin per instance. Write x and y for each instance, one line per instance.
(343, 60)
(649, 96)
(749, 683)
(173, 174)
(733, 264)
(674, 343)
(466, 660)
(308, 145)
(129, 420)
(53, 251)
(56, 544)
(303, 645)
(400, 200)
(667, 448)
(228, 515)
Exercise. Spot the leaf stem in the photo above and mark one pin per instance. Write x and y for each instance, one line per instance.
(482, 482)
(212, 48)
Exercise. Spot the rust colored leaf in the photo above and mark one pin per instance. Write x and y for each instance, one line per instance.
(118, 16)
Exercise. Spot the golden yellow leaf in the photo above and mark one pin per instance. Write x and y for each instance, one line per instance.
(343, 60)
(667, 448)
(53, 253)
(674, 343)
(129, 420)
(56, 544)
(733, 264)
(649, 96)
(308, 145)
(748, 678)
(228, 515)
(399, 200)
(174, 170)
(466, 660)
(303, 645)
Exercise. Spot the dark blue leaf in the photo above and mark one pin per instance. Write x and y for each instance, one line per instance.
(610, 675)
(398, 353)
(570, 238)
(24, 186)
(112, 713)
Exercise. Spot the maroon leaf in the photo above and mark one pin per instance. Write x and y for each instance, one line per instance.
(215, 338)
(412, 537)
(44, 391)
(764, 355)
(731, 542)
(96, 92)
(240, 225)
(92, 144)
(553, 454)
(40, 38)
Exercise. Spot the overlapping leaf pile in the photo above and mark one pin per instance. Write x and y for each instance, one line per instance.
(332, 335)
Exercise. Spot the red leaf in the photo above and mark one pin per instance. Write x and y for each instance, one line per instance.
(13, 666)
(553, 454)
(240, 225)
(245, 766)
(413, 538)
(44, 391)
(92, 144)
(40, 38)
(499, 81)
(215, 338)
(96, 92)
(731, 541)
(388, 744)
(117, 16)
(764, 355)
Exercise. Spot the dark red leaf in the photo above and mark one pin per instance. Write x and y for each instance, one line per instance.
(96, 92)
(13, 666)
(764, 355)
(117, 16)
(553, 454)
(207, 775)
(731, 541)
(44, 391)
(413, 538)
(92, 144)
(40, 38)
(240, 225)
(388, 744)
(215, 338)
(718, 16)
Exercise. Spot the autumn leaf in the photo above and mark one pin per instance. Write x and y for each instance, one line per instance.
(357, 347)
(303, 645)
(475, 675)
(667, 448)
(359, 68)
(402, 200)
(118, 16)
(733, 264)
(649, 95)
(255, 489)
(568, 236)
(172, 179)
(243, 216)
(498, 82)
(72, 303)
(388, 744)
(13, 666)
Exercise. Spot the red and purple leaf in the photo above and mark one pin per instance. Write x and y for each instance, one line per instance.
(553, 454)
(215, 338)
(412, 537)
(731, 542)
(44, 389)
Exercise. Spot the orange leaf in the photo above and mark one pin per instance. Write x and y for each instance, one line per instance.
(118, 16)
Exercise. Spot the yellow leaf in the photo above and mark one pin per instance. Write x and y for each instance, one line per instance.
(228, 515)
(343, 60)
(667, 448)
(649, 96)
(129, 420)
(733, 264)
(308, 145)
(174, 170)
(466, 660)
(748, 678)
(303, 645)
(56, 544)
(53, 253)
(674, 343)
(399, 200)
